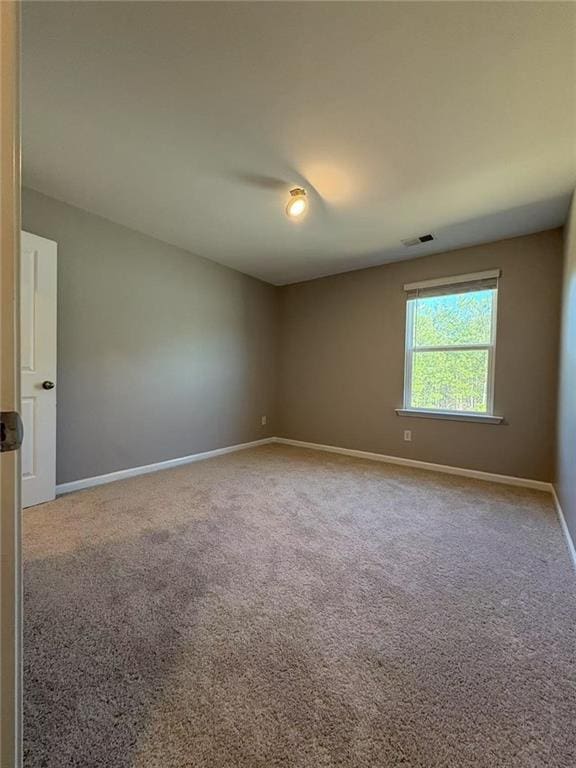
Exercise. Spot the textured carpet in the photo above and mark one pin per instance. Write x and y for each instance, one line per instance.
(280, 607)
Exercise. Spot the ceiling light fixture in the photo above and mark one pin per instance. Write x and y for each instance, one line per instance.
(297, 204)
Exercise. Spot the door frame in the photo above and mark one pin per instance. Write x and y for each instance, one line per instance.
(10, 512)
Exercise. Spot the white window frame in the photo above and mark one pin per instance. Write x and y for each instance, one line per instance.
(410, 348)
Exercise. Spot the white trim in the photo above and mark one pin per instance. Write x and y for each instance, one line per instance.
(525, 482)
(454, 280)
(482, 418)
(122, 474)
(491, 380)
(540, 485)
(564, 526)
(411, 349)
(453, 347)
(408, 353)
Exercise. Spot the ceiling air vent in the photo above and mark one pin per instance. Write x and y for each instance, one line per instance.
(417, 240)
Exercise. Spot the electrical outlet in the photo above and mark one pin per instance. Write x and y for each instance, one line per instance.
(408, 435)
(264, 420)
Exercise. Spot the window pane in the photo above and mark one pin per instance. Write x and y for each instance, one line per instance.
(450, 381)
(462, 318)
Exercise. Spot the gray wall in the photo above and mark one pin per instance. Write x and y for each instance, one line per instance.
(566, 475)
(160, 353)
(163, 354)
(342, 360)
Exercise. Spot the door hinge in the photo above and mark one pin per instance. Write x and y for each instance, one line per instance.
(11, 431)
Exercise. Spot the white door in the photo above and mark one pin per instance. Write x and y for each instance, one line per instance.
(38, 365)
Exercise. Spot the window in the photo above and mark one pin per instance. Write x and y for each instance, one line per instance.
(450, 345)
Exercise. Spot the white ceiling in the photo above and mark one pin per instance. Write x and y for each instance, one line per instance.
(191, 121)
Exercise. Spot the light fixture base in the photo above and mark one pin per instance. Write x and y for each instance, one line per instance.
(297, 204)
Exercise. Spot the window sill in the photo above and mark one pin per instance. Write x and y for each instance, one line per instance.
(477, 417)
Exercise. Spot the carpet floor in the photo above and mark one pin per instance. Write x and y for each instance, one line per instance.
(279, 607)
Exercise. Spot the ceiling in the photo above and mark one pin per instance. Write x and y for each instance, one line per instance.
(191, 121)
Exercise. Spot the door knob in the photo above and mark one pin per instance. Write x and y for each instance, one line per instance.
(47, 385)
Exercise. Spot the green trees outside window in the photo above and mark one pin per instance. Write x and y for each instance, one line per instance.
(450, 348)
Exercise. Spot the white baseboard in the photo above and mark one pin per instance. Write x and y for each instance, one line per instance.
(525, 482)
(565, 529)
(89, 482)
(122, 474)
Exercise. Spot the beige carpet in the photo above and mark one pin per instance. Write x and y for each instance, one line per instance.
(287, 608)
